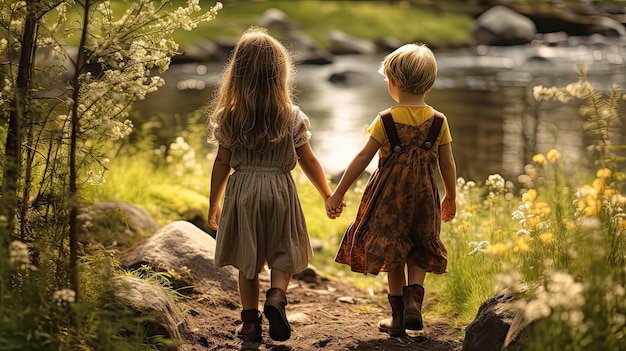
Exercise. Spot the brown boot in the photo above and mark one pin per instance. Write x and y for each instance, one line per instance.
(413, 296)
(394, 326)
(250, 329)
(274, 310)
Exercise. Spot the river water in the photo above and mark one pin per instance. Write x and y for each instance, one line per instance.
(487, 98)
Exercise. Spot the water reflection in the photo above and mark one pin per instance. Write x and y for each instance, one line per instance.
(495, 123)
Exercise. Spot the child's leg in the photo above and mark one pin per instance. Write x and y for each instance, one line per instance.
(413, 295)
(416, 274)
(280, 279)
(396, 281)
(249, 292)
(250, 328)
(394, 326)
(275, 303)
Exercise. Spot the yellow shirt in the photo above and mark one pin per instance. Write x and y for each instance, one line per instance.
(411, 115)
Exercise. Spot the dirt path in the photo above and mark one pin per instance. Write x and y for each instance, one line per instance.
(324, 314)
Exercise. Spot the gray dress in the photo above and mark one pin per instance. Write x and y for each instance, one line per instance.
(262, 220)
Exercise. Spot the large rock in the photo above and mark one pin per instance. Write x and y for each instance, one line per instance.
(489, 329)
(517, 337)
(202, 51)
(344, 44)
(115, 224)
(147, 299)
(348, 78)
(502, 26)
(186, 252)
(302, 47)
(575, 22)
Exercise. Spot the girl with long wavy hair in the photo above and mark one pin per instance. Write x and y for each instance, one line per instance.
(261, 135)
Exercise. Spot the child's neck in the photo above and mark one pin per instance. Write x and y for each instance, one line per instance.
(411, 99)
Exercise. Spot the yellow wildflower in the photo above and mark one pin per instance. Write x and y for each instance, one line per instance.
(541, 208)
(496, 249)
(591, 211)
(463, 227)
(545, 237)
(603, 173)
(539, 159)
(553, 155)
(530, 195)
(598, 184)
(533, 221)
(621, 225)
(522, 245)
(471, 208)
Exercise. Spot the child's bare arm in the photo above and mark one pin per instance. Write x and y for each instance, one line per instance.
(313, 169)
(219, 176)
(354, 170)
(447, 168)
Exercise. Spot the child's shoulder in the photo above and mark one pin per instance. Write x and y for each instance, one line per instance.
(410, 114)
(412, 108)
(299, 117)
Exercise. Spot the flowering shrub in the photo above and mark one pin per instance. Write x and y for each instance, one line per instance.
(70, 73)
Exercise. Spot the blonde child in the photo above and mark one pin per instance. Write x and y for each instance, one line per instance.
(399, 216)
(261, 136)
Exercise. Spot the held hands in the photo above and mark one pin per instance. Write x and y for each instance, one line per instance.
(334, 206)
(448, 209)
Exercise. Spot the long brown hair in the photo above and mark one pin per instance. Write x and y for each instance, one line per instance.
(253, 107)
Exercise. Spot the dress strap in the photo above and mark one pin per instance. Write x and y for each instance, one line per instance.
(394, 139)
(390, 129)
(433, 132)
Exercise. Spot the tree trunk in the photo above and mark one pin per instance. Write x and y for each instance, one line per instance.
(74, 199)
(9, 202)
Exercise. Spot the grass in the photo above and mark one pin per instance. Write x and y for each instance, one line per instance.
(363, 19)
(317, 18)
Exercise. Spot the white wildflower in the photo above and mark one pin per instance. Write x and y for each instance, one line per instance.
(19, 256)
(64, 297)
(506, 280)
(536, 309)
(460, 182)
(18, 253)
(495, 182)
(478, 247)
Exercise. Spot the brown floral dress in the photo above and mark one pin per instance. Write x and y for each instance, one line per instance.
(400, 213)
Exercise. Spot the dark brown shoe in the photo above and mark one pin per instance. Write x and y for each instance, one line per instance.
(274, 311)
(250, 328)
(394, 326)
(413, 296)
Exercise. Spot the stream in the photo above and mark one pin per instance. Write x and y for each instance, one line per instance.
(487, 98)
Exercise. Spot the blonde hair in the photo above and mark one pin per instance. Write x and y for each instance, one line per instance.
(253, 106)
(412, 67)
